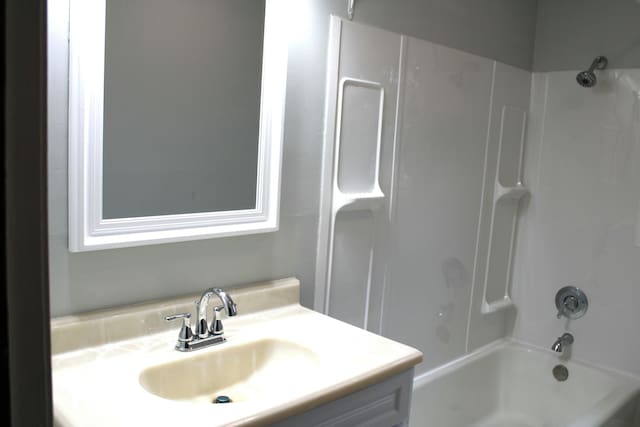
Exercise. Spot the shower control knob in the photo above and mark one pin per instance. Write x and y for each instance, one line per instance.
(571, 302)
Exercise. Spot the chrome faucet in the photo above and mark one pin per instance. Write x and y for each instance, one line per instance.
(202, 327)
(565, 340)
(206, 333)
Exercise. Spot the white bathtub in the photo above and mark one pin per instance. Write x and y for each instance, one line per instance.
(510, 385)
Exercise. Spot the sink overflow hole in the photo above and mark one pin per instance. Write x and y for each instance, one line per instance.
(560, 372)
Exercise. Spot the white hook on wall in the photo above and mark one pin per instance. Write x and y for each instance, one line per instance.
(350, 7)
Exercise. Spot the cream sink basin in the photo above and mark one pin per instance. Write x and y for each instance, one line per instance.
(253, 370)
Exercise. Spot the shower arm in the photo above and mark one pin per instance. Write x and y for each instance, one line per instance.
(599, 63)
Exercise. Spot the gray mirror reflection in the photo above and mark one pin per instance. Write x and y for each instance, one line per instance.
(181, 106)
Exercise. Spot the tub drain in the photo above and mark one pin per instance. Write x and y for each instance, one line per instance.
(222, 399)
(560, 372)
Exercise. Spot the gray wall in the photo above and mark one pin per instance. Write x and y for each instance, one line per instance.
(499, 29)
(570, 33)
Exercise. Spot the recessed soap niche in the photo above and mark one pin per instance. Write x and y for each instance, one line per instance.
(361, 106)
(357, 172)
(356, 197)
(507, 190)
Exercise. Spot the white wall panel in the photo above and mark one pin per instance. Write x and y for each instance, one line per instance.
(583, 166)
(397, 253)
(360, 140)
(510, 92)
(352, 266)
(440, 170)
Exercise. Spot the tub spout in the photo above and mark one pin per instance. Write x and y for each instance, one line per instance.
(565, 340)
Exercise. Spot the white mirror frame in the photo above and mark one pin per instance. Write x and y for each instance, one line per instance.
(88, 230)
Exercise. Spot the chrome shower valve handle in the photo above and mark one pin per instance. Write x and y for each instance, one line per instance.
(571, 303)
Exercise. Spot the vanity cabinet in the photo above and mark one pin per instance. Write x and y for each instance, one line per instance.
(385, 404)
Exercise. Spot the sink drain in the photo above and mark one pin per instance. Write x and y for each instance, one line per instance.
(560, 372)
(222, 399)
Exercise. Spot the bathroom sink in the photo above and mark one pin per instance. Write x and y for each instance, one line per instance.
(255, 370)
(121, 367)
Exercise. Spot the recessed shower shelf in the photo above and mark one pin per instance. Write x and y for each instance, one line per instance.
(356, 196)
(359, 174)
(497, 305)
(513, 193)
(357, 201)
(508, 190)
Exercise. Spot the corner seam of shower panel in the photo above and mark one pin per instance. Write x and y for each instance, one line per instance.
(329, 130)
(393, 187)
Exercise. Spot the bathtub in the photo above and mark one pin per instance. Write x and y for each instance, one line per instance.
(507, 384)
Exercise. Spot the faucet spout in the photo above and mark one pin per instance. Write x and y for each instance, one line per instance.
(229, 306)
(565, 340)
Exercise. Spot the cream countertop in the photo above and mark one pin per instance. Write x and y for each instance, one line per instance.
(99, 385)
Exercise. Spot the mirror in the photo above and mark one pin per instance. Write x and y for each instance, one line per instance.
(175, 120)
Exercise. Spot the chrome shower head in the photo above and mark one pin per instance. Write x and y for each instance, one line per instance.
(588, 78)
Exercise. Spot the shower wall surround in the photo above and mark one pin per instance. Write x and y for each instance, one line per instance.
(417, 127)
(106, 278)
(582, 224)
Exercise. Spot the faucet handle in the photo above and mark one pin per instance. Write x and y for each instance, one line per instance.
(216, 325)
(186, 316)
(186, 334)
